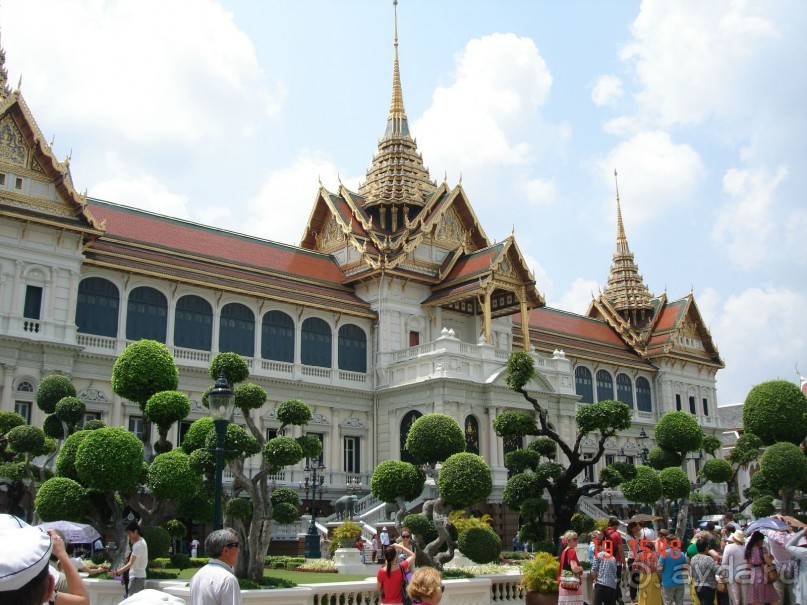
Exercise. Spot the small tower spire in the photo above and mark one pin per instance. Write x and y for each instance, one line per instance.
(4, 89)
(626, 289)
(397, 179)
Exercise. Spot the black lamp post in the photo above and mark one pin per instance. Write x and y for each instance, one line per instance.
(645, 452)
(314, 481)
(220, 402)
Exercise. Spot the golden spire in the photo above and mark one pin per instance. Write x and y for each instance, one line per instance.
(4, 89)
(397, 176)
(626, 289)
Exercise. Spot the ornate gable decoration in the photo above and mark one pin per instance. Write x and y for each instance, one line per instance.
(12, 144)
(449, 232)
(332, 236)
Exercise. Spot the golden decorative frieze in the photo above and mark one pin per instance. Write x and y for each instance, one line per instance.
(13, 149)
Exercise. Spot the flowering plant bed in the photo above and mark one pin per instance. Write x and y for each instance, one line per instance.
(303, 569)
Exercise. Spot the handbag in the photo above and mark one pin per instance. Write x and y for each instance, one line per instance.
(568, 579)
(772, 575)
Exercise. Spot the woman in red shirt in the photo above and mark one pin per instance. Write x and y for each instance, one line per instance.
(391, 575)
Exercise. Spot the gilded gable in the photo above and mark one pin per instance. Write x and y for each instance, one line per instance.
(13, 149)
(449, 232)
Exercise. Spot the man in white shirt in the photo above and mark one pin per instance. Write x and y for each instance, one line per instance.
(194, 547)
(733, 569)
(384, 537)
(215, 583)
(137, 561)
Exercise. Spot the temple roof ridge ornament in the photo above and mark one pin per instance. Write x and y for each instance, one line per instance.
(397, 174)
(4, 88)
(626, 290)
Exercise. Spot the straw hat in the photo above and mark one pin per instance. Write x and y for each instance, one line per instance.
(737, 537)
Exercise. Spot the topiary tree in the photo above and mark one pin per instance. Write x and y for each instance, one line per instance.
(784, 468)
(481, 545)
(464, 479)
(158, 540)
(644, 488)
(53, 389)
(604, 419)
(164, 409)
(253, 524)
(20, 447)
(776, 411)
(145, 367)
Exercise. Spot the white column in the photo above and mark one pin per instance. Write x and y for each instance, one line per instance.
(8, 382)
(123, 311)
(72, 302)
(171, 320)
(49, 314)
(335, 464)
(214, 346)
(16, 300)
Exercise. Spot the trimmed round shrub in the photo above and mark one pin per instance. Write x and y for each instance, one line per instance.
(760, 486)
(13, 470)
(776, 411)
(545, 447)
(464, 480)
(283, 451)
(644, 488)
(170, 476)
(284, 495)
(603, 416)
(66, 460)
(61, 498)
(519, 371)
(202, 461)
(167, 407)
(175, 528)
(674, 482)
(8, 420)
(519, 488)
(434, 438)
(514, 424)
(110, 459)
(395, 478)
(534, 507)
(680, 432)
(51, 390)
(659, 458)
(249, 396)
(480, 545)
(25, 439)
(158, 540)
(311, 445)
(519, 461)
(718, 470)
(180, 561)
(548, 470)
(196, 436)
(70, 410)
(293, 411)
(144, 368)
(626, 469)
(784, 465)
(711, 444)
(94, 425)
(610, 477)
(238, 508)
(421, 525)
(234, 367)
(53, 427)
(237, 442)
(763, 507)
(285, 513)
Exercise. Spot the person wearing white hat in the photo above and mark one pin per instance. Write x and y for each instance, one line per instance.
(25, 577)
(734, 568)
(149, 596)
(384, 537)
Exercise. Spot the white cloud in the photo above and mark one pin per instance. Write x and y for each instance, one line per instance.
(578, 297)
(606, 90)
(540, 192)
(542, 281)
(655, 174)
(280, 209)
(146, 71)
(747, 225)
(693, 57)
(760, 333)
(477, 121)
(145, 192)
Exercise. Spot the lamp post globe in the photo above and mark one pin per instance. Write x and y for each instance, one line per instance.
(220, 403)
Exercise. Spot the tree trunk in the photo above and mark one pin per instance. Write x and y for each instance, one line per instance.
(563, 508)
(681, 522)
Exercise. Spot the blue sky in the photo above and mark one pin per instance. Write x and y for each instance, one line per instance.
(230, 112)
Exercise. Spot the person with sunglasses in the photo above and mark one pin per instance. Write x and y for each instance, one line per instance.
(426, 586)
(215, 583)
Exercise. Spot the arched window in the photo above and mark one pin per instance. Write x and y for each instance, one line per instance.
(193, 323)
(237, 330)
(406, 424)
(97, 307)
(624, 389)
(582, 384)
(315, 345)
(352, 348)
(277, 337)
(146, 314)
(472, 435)
(643, 400)
(605, 386)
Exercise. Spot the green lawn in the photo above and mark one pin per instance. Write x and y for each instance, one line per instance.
(298, 577)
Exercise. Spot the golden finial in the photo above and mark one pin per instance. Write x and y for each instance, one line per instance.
(460, 181)
(52, 139)
(445, 176)
(19, 83)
